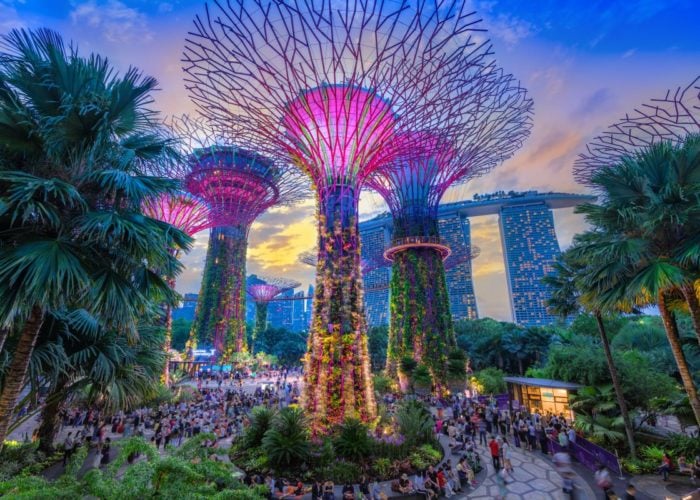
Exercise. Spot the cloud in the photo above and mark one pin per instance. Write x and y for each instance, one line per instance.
(10, 18)
(593, 103)
(117, 22)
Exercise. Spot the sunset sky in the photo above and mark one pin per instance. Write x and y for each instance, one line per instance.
(584, 62)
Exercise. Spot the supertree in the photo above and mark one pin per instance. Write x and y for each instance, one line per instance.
(190, 215)
(669, 118)
(262, 294)
(327, 87)
(489, 123)
(238, 184)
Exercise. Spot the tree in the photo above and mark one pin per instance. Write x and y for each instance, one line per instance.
(571, 292)
(76, 142)
(648, 231)
(377, 338)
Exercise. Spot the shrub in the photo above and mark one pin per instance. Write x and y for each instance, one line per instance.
(382, 467)
(383, 384)
(682, 445)
(286, 442)
(421, 376)
(490, 381)
(407, 365)
(260, 420)
(342, 472)
(415, 423)
(653, 454)
(353, 441)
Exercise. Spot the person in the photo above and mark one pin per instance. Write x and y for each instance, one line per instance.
(443, 484)
(404, 485)
(495, 452)
(482, 432)
(502, 482)
(68, 446)
(630, 492)
(695, 469)
(348, 491)
(364, 487)
(328, 490)
(316, 490)
(666, 466)
(506, 455)
(105, 451)
(430, 486)
(603, 479)
(568, 485)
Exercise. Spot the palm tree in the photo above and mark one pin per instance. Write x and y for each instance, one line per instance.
(572, 292)
(100, 365)
(647, 233)
(76, 142)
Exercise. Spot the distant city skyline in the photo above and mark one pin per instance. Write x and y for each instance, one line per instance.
(585, 63)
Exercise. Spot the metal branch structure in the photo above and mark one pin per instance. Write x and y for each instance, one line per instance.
(670, 118)
(190, 215)
(310, 258)
(262, 294)
(327, 85)
(489, 122)
(238, 184)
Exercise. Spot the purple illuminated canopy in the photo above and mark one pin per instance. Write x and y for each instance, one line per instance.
(267, 291)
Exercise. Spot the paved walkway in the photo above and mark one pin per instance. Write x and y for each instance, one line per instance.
(533, 478)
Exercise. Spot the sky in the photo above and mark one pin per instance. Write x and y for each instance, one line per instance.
(584, 62)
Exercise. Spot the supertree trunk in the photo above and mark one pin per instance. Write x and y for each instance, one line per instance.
(260, 322)
(421, 322)
(220, 316)
(337, 374)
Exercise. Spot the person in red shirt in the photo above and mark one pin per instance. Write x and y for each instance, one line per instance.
(495, 453)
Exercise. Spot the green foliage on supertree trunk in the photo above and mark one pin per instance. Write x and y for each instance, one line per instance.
(338, 381)
(421, 322)
(260, 321)
(220, 314)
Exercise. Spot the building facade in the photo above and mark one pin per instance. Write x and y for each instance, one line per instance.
(530, 247)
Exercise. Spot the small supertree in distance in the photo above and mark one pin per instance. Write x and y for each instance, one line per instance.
(489, 123)
(238, 184)
(670, 118)
(327, 85)
(262, 294)
(190, 215)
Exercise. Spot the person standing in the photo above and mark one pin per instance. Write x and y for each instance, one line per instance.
(68, 446)
(603, 480)
(495, 453)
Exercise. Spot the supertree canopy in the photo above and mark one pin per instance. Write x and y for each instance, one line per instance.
(262, 294)
(487, 125)
(190, 215)
(238, 184)
(327, 85)
(669, 118)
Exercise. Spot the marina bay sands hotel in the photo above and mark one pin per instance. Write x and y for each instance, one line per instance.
(529, 242)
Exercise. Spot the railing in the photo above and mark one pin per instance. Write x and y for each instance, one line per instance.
(589, 455)
(412, 240)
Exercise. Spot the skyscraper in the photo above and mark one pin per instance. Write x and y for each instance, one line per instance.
(530, 248)
(279, 313)
(299, 322)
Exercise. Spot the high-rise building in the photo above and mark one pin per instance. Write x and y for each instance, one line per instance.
(299, 322)
(186, 309)
(309, 305)
(376, 237)
(529, 245)
(279, 312)
(530, 248)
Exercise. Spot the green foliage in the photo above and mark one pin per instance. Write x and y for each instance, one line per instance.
(415, 423)
(260, 421)
(490, 381)
(683, 445)
(377, 338)
(424, 456)
(353, 441)
(421, 377)
(457, 365)
(383, 384)
(180, 334)
(653, 453)
(341, 472)
(382, 467)
(286, 442)
(601, 428)
(288, 346)
(638, 466)
(407, 365)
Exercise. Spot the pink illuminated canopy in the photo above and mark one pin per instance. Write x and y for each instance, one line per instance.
(336, 133)
(265, 292)
(184, 211)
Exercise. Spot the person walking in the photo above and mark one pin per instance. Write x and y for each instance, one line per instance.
(495, 453)
(603, 480)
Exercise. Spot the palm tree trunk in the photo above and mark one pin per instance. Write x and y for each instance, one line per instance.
(674, 340)
(167, 343)
(691, 298)
(18, 369)
(49, 418)
(614, 376)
